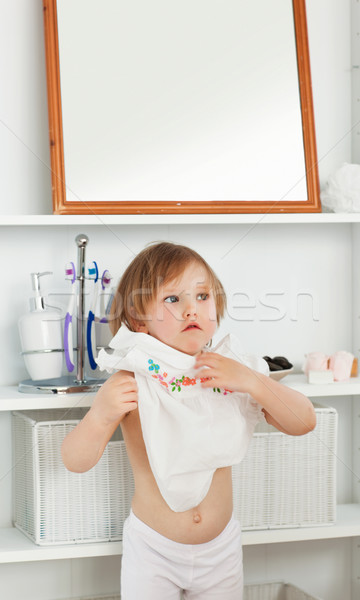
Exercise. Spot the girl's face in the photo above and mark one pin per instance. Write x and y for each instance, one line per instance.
(183, 314)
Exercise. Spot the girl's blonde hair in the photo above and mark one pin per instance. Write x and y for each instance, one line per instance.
(156, 265)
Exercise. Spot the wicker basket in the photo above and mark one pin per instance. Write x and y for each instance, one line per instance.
(262, 591)
(54, 506)
(275, 591)
(288, 481)
(284, 481)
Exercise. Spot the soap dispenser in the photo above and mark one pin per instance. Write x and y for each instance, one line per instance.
(41, 336)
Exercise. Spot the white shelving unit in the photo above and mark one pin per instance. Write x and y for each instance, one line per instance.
(16, 547)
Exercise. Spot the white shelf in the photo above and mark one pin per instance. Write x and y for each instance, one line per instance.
(179, 219)
(16, 547)
(298, 382)
(12, 399)
(347, 525)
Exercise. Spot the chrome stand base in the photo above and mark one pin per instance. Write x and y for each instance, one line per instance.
(60, 385)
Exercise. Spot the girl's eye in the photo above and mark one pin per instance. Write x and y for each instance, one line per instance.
(203, 296)
(171, 299)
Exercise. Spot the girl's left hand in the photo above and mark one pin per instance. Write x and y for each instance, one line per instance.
(222, 372)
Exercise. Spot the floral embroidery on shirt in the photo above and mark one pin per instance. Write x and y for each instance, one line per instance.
(176, 383)
(153, 366)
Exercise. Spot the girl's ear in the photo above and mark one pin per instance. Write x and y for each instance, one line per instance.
(139, 326)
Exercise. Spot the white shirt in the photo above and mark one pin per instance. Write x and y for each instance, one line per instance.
(188, 431)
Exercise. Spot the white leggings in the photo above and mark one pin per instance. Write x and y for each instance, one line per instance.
(157, 568)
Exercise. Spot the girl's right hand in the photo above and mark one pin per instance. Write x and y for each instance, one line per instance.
(116, 397)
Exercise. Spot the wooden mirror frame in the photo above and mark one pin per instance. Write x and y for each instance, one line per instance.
(62, 206)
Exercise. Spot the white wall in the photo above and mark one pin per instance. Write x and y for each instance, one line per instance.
(329, 29)
(278, 285)
(246, 257)
(25, 175)
(297, 278)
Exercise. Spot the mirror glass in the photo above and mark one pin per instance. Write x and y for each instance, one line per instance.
(171, 104)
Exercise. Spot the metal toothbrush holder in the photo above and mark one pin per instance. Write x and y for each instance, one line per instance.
(67, 384)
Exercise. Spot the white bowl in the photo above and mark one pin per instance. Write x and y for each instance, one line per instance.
(277, 375)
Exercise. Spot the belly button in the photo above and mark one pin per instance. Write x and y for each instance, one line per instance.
(197, 518)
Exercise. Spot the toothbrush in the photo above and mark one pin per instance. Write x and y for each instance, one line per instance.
(90, 335)
(68, 327)
(105, 282)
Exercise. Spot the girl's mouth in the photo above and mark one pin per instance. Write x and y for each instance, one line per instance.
(191, 326)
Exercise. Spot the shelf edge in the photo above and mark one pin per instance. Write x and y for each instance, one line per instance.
(16, 547)
(180, 219)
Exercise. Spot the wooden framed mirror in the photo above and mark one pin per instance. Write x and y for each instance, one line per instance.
(201, 106)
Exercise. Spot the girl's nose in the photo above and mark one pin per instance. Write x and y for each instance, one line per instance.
(190, 308)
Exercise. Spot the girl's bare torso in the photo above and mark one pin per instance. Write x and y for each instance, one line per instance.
(195, 526)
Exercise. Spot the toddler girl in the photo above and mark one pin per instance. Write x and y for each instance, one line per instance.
(187, 414)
